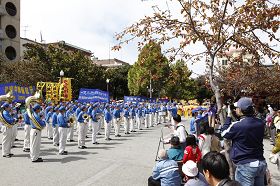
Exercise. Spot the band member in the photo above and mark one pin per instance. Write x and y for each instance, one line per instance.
(55, 127)
(126, 120)
(132, 118)
(35, 134)
(146, 111)
(95, 117)
(48, 116)
(62, 130)
(7, 130)
(82, 129)
(27, 128)
(116, 120)
(139, 112)
(14, 114)
(107, 122)
(70, 132)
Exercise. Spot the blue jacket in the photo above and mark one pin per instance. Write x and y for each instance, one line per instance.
(126, 113)
(48, 116)
(139, 112)
(7, 116)
(26, 118)
(192, 125)
(175, 153)
(116, 113)
(38, 119)
(54, 119)
(247, 139)
(77, 112)
(80, 117)
(173, 111)
(107, 116)
(61, 121)
(167, 172)
(93, 115)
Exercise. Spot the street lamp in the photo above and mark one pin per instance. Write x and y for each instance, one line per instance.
(107, 81)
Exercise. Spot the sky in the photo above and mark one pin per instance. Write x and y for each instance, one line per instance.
(89, 24)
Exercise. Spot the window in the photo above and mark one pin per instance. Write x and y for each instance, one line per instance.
(11, 31)
(10, 53)
(224, 62)
(11, 9)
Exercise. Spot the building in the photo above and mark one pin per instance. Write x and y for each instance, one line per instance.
(60, 44)
(110, 63)
(72, 48)
(10, 29)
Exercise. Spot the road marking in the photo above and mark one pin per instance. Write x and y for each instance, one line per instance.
(105, 172)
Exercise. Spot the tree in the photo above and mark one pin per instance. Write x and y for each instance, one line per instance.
(214, 26)
(179, 84)
(151, 66)
(118, 81)
(203, 89)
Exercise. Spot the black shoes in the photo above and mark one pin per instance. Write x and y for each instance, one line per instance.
(63, 153)
(96, 143)
(127, 133)
(108, 139)
(70, 141)
(7, 156)
(26, 150)
(118, 135)
(38, 160)
(82, 147)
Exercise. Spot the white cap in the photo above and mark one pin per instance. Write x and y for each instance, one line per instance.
(190, 168)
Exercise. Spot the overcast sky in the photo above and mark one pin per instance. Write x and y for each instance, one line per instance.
(89, 24)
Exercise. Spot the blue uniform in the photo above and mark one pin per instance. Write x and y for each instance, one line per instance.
(93, 115)
(116, 113)
(39, 121)
(80, 117)
(7, 116)
(26, 118)
(108, 116)
(54, 119)
(61, 121)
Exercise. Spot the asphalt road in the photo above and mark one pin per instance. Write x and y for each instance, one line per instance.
(124, 161)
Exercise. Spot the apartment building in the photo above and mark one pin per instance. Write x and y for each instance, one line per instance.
(10, 30)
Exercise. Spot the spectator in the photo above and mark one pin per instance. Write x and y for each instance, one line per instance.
(216, 170)
(215, 142)
(193, 177)
(247, 144)
(165, 172)
(175, 152)
(204, 140)
(192, 123)
(192, 151)
(180, 130)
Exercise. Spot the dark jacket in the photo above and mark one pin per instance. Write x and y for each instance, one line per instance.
(228, 182)
(247, 139)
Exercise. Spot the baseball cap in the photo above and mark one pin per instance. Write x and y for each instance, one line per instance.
(244, 103)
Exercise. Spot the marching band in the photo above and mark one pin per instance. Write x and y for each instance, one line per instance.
(65, 118)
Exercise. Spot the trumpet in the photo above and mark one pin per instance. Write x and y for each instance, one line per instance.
(71, 121)
(86, 117)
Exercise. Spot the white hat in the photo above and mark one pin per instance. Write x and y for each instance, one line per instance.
(190, 168)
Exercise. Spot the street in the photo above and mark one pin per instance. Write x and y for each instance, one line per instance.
(123, 161)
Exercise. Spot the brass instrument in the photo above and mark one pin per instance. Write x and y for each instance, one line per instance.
(28, 101)
(86, 117)
(71, 120)
(8, 97)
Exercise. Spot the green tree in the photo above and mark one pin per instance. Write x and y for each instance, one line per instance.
(203, 89)
(179, 84)
(118, 86)
(150, 66)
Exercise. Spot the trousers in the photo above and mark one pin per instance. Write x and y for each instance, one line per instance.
(146, 120)
(70, 133)
(95, 127)
(49, 130)
(55, 135)
(116, 124)
(126, 125)
(35, 143)
(132, 121)
(62, 139)
(14, 134)
(107, 126)
(6, 140)
(26, 142)
(138, 122)
(82, 130)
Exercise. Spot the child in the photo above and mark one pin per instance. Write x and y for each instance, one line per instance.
(192, 151)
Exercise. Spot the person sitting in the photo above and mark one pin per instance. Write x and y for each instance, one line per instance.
(192, 176)
(216, 170)
(192, 152)
(175, 152)
(165, 172)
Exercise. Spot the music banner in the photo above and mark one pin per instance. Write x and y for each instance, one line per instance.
(20, 92)
(93, 95)
(134, 99)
